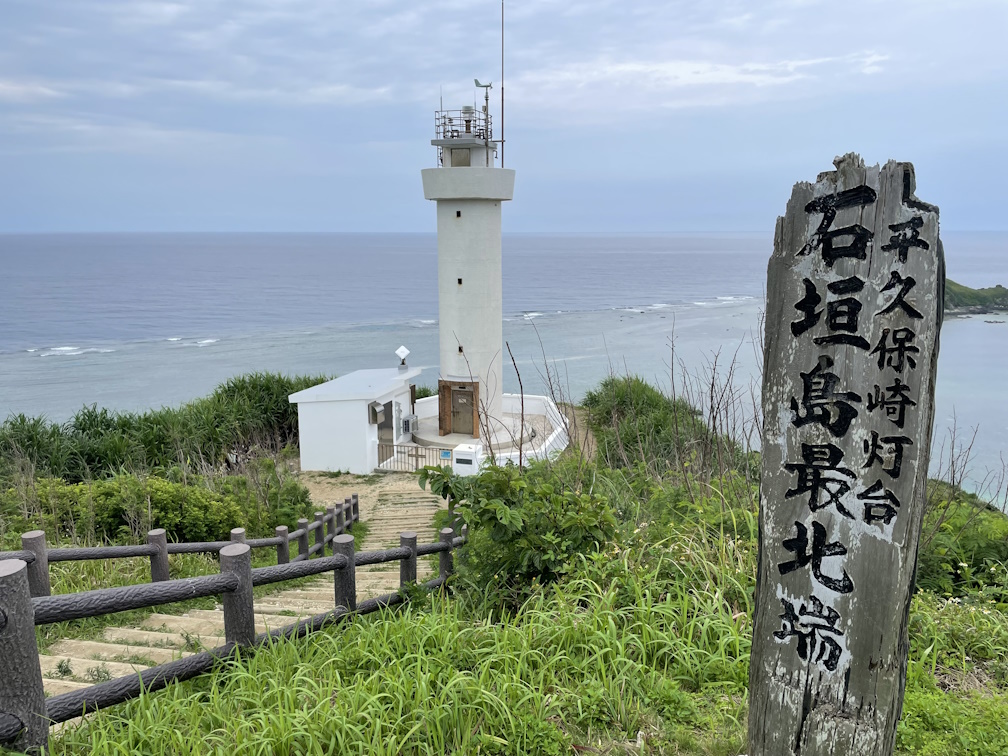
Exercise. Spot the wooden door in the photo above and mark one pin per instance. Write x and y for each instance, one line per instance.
(462, 411)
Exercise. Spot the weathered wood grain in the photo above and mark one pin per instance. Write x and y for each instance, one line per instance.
(22, 699)
(837, 563)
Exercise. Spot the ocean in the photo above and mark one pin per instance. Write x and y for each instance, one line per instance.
(133, 321)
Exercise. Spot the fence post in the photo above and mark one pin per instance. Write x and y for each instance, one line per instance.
(407, 566)
(159, 561)
(239, 618)
(302, 525)
(21, 694)
(446, 563)
(346, 579)
(355, 508)
(38, 571)
(320, 532)
(237, 535)
(283, 548)
(341, 520)
(331, 530)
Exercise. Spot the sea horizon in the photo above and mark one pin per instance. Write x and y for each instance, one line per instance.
(133, 321)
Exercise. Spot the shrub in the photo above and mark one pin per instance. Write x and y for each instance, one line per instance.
(524, 526)
(125, 507)
(636, 424)
(245, 413)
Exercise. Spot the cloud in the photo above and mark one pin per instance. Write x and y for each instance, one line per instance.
(617, 86)
(26, 91)
(121, 136)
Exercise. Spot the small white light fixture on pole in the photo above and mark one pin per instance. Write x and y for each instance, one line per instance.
(402, 353)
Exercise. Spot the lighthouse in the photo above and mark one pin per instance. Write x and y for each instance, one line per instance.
(372, 419)
(469, 189)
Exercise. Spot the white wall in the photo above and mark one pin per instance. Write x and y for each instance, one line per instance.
(337, 436)
(471, 314)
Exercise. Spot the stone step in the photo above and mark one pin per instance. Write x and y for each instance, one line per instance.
(263, 620)
(86, 670)
(301, 608)
(144, 638)
(114, 651)
(205, 628)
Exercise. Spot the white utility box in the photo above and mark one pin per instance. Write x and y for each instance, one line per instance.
(467, 459)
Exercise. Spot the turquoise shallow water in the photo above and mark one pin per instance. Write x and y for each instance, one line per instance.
(139, 320)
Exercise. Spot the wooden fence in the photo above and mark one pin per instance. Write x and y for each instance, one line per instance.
(25, 602)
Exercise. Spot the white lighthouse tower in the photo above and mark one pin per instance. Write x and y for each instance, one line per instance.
(469, 189)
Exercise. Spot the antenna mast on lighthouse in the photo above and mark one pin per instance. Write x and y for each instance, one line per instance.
(502, 85)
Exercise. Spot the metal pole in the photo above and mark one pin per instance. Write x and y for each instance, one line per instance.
(502, 83)
(283, 548)
(159, 561)
(346, 579)
(38, 571)
(22, 698)
(239, 616)
(407, 566)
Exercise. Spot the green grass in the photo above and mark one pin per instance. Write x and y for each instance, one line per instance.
(638, 645)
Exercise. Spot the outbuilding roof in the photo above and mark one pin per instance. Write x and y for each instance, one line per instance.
(369, 385)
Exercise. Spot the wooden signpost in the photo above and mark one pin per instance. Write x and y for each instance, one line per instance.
(854, 308)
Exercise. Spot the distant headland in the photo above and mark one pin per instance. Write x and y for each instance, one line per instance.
(962, 300)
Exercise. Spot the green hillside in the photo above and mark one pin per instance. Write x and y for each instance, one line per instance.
(959, 297)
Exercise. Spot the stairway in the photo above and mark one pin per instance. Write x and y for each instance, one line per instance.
(73, 664)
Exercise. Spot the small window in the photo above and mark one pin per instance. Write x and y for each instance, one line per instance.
(460, 282)
(460, 158)
(458, 213)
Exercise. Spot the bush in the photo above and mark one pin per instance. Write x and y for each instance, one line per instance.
(636, 424)
(524, 526)
(123, 508)
(245, 413)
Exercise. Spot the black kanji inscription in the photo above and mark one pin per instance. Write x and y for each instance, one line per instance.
(813, 625)
(825, 238)
(904, 284)
(821, 402)
(820, 473)
(821, 549)
(905, 236)
(886, 445)
(894, 400)
(880, 504)
(901, 352)
(841, 314)
(807, 305)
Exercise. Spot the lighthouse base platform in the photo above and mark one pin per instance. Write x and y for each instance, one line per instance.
(537, 433)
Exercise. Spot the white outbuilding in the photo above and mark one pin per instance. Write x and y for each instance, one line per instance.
(342, 423)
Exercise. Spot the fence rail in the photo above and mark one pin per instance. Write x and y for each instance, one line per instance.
(25, 713)
(409, 458)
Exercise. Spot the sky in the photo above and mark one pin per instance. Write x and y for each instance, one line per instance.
(621, 116)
